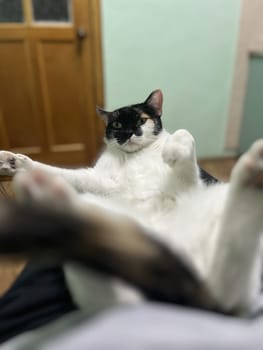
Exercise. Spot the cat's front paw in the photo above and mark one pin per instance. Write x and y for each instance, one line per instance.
(11, 162)
(180, 146)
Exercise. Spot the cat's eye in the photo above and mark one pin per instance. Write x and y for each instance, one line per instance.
(141, 121)
(117, 125)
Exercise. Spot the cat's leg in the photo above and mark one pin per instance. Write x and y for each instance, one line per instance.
(235, 273)
(13, 163)
(53, 222)
(179, 153)
(83, 180)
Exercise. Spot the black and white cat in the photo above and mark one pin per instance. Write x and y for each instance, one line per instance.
(144, 200)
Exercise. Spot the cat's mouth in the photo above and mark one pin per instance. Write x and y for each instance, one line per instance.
(131, 142)
(131, 145)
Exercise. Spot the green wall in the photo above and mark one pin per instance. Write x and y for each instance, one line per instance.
(252, 125)
(186, 48)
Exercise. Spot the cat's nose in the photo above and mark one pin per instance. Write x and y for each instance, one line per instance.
(138, 132)
(124, 137)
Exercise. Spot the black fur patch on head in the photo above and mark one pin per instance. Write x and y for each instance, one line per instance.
(124, 123)
(127, 121)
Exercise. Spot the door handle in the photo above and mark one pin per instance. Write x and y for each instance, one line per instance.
(81, 33)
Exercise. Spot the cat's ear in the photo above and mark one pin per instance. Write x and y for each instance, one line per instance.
(103, 114)
(155, 100)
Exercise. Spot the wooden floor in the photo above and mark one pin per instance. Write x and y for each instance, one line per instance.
(220, 168)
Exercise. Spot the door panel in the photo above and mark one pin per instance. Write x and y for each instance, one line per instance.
(17, 95)
(50, 10)
(62, 92)
(11, 11)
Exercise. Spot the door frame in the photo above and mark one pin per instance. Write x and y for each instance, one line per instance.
(94, 7)
(250, 42)
(89, 12)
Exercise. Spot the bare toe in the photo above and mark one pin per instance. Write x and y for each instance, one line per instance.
(43, 188)
(249, 169)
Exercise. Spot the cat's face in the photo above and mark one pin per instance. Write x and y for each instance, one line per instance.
(134, 127)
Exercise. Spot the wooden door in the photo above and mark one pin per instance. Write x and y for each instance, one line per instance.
(50, 79)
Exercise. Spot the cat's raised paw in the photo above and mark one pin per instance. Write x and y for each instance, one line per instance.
(11, 162)
(180, 146)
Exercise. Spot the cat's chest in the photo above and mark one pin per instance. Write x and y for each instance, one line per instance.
(137, 176)
(141, 177)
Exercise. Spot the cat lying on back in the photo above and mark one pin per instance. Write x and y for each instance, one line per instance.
(147, 217)
(137, 166)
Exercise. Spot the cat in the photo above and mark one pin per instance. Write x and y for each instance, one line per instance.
(139, 155)
(146, 216)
